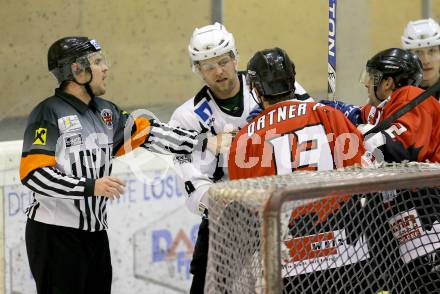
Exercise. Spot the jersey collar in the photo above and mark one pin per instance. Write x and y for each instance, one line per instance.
(309, 99)
(72, 100)
(383, 103)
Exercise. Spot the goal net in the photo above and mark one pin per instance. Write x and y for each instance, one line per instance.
(371, 230)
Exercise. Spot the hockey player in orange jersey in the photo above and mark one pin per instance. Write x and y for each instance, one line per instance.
(391, 78)
(291, 135)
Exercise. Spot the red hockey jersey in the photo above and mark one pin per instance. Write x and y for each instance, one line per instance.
(297, 135)
(414, 136)
(294, 135)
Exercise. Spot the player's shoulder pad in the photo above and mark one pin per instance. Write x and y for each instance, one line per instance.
(402, 96)
(318, 106)
(184, 116)
(45, 110)
(202, 106)
(202, 94)
(412, 92)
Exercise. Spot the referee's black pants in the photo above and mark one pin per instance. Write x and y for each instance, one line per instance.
(67, 260)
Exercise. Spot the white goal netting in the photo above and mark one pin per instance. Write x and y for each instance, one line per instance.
(373, 230)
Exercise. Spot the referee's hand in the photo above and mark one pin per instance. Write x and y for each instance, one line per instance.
(109, 187)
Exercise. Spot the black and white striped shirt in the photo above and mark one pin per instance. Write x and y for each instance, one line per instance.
(68, 145)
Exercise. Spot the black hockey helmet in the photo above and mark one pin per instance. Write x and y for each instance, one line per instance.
(402, 65)
(271, 72)
(70, 50)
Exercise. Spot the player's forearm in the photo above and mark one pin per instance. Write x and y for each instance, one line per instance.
(165, 139)
(51, 182)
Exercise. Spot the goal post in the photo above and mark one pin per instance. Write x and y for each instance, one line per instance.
(326, 232)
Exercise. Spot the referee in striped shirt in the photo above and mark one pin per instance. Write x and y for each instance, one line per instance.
(68, 147)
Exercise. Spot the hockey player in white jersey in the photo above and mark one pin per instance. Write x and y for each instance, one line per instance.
(221, 106)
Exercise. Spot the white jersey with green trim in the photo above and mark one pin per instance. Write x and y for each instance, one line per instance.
(201, 113)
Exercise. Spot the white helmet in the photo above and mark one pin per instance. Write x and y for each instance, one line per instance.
(210, 41)
(421, 33)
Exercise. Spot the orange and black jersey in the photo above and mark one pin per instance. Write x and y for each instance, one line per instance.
(294, 135)
(69, 144)
(297, 135)
(413, 136)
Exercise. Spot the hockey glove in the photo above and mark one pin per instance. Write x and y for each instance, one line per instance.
(352, 112)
